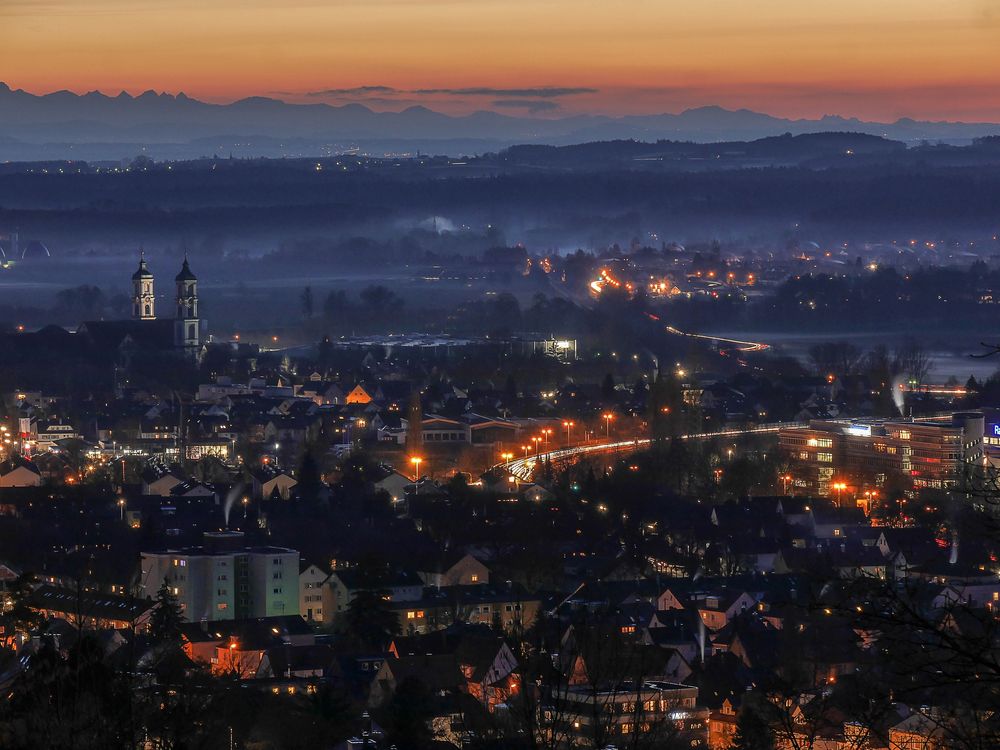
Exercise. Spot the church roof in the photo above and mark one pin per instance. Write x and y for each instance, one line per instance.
(110, 334)
(143, 272)
(186, 274)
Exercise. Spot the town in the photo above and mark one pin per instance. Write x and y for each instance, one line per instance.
(222, 539)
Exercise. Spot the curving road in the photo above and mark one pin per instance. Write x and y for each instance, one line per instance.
(737, 344)
(523, 468)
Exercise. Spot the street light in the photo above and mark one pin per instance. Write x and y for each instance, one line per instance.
(607, 424)
(525, 448)
(567, 425)
(121, 508)
(840, 487)
(416, 467)
(506, 458)
(785, 479)
(538, 444)
(545, 435)
(246, 501)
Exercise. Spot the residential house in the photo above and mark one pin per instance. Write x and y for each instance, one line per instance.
(269, 482)
(312, 577)
(454, 568)
(19, 473)
(342, 586)
(92, 610)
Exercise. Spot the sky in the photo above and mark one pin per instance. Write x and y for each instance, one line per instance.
(874, 59)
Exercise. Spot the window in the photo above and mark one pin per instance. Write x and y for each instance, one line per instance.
(411, 615)
(904, 434)
(222, 605)
(824, 457)
(277, 591)
(474, 578)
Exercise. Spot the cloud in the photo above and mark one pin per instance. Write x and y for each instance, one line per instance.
(531, 105)
(355, 91)
(542, 92)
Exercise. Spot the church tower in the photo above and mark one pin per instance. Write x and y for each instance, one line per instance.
(187, 327)
(143, 301)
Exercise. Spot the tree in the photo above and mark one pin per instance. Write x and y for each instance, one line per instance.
(665, 404)
(839, 358)
(16, 614)
(166, 618)
(324, 353)
(379, 298)
(307, 303)
(310, 484)
(752, 732)
(608, 388)
(407, 715)
(369, 619)
(336, 304)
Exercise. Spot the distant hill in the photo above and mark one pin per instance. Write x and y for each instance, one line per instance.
(63, 124)
(787, 148)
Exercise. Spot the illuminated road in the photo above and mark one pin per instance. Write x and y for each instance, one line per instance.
(737, 344)
(740, 346)
(522, 468)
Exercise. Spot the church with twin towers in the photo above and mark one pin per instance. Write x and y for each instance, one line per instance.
(186, 323)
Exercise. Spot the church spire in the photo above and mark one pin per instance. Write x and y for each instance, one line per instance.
(143, 299)
(187, 326)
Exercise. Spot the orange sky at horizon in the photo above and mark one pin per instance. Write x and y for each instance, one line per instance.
(876, 60)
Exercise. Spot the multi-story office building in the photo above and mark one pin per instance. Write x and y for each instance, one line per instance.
(225, 580)
(830, 457)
